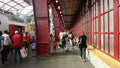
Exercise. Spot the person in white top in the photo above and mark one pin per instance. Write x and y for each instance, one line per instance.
(6, 46)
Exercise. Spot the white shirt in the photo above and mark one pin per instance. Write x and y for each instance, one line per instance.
(61, 35)
(7, 41)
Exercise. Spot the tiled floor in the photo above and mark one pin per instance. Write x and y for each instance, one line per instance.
(60, 60)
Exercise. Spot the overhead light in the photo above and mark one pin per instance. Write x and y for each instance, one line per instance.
(58, 7)
(56, 1)
(60, 12)
(61, 15)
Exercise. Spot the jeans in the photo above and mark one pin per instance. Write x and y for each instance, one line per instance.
(83, 52)
(4, 54)
(15, 51)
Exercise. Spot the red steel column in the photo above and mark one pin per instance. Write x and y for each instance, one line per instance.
(99, 37)
(90, 23)
(116, 29)
(56, 23)
(42, 27)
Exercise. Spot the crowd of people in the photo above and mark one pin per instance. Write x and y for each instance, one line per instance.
(67, 40)
(13, 44)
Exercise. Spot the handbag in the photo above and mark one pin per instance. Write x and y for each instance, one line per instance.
(23, 52)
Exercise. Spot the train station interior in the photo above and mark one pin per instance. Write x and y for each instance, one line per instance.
(62, 30)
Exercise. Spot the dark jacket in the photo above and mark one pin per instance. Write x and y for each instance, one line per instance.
(82, 41)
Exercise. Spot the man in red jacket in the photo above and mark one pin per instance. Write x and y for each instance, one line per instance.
(16, 39)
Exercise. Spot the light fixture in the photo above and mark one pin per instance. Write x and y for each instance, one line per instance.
(60, 12)
(58, 7)
(61, 15)
(56, 1)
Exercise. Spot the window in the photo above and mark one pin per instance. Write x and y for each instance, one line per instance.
(106, 5)
(96, 24)
(119, 1)
(106, 43)
(101, 19)
(106, 22)
(111, 21)
(110, 4)
(101, 6)
(112, 45)
(96, 8)
(102, 42)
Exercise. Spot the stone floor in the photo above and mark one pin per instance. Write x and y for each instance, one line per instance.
(60, 60)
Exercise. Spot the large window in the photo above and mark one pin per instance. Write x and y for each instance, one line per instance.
(106, 22)
(106, 43)
(111, 21)
(111, 45)
(102, 42)
(101, 19)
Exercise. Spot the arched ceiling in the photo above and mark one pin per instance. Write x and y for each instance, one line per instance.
(17, 6)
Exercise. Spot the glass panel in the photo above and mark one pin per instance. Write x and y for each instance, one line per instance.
(92, 12)
(93, 39)
(101, 6)
(11, 3)
(96, 24)
(106, 43)
(101, 23)
(119, 1)
(24, 4)
(111, 18)
(1, 4)
(6, 7)
(19, 1)
(18, 7)
(94, 43)
(106, 22)
(96, 8)
(5, 1)
(92, 26)
(111, 45)
(97, 40)
(110, 4)
(106, 5)
(102, 42)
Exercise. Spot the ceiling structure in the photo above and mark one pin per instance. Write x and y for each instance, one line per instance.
(69, 11)
(17, 6)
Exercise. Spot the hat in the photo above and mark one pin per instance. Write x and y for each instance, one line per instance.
(16, 32)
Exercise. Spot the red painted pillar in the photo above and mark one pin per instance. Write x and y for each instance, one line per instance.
(56, 23)
(90, 23)
(116, 46)
(42, 27)
(99, 37)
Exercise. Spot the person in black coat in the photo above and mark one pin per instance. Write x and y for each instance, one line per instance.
(82, 45)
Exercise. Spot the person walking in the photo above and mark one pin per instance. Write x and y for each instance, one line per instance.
(1, 47)
(82, 45)
(17, 43)
(6, 46)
